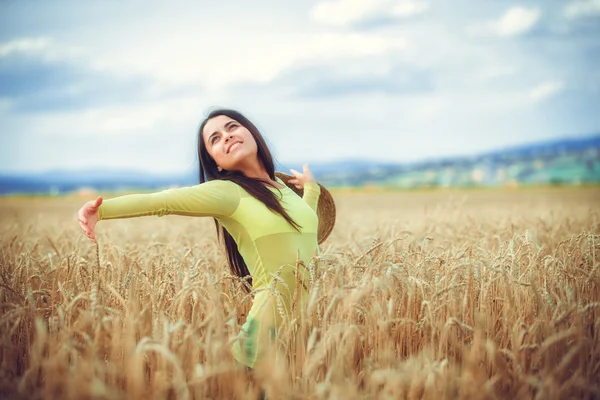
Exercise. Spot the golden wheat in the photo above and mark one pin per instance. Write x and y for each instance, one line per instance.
(424, 295)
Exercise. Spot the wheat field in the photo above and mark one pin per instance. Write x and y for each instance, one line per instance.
(446, 294)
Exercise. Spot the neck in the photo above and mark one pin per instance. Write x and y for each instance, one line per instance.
(255, 170)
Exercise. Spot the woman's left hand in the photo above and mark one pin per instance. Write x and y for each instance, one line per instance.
(300, 179)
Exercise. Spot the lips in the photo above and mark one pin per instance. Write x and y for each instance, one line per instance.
(231, 146)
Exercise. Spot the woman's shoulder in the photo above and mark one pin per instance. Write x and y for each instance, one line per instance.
(216, 190)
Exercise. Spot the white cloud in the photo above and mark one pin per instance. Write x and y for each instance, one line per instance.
(515, 21)
(136, 119)
(25, 45)
(496, 71)
(43, 47)
(582, 8)
(251, 57)
(545, 90)
(346, 12)
(408, 8)
(238, 58)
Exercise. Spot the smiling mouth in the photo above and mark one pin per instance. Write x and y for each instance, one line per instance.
(233, 146)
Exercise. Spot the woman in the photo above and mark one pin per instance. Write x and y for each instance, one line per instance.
(265, 225)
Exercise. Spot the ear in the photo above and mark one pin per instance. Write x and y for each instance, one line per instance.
(219, 168)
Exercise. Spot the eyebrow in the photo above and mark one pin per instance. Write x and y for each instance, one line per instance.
(224, 126)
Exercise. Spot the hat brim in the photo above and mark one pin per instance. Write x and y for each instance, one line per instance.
(325, 208)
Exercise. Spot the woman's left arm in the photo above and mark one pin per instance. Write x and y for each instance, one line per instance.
(307, 182)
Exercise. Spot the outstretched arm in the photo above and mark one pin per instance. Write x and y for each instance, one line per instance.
(214, 199)
(306, 181)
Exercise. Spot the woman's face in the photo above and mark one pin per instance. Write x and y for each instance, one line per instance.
(229, 143)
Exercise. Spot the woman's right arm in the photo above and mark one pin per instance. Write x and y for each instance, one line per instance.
(214, 198)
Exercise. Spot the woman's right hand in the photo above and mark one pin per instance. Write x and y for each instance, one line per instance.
(88, 216)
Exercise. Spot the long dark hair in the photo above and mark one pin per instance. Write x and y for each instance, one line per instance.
(255, 187)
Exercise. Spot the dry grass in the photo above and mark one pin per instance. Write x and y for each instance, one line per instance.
(490, 294)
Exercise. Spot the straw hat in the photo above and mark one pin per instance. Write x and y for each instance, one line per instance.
(325, 207)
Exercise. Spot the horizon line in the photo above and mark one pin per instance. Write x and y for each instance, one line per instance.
(426, 159)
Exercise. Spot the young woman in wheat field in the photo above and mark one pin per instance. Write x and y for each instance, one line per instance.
(268, 229)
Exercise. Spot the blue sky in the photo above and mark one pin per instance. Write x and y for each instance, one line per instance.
(126, 84)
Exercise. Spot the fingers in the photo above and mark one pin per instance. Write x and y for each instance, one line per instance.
(300, 178)
(87, 231)
(81, 217)
(89, 207)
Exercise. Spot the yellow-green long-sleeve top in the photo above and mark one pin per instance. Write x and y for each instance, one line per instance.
(265, 240)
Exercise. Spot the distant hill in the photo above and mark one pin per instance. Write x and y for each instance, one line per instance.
(565, 161)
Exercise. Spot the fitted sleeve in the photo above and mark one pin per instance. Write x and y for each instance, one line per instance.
(210, 199)
(312, 191)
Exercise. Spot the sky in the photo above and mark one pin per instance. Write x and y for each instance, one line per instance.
(126, 84)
